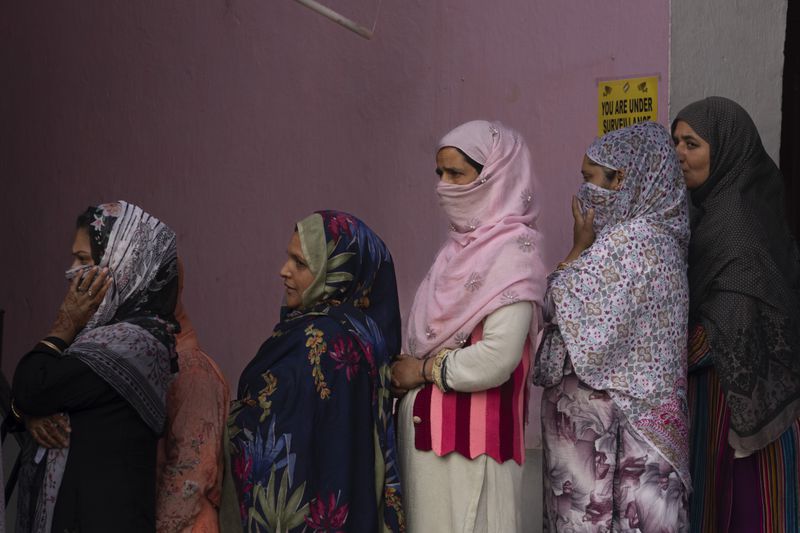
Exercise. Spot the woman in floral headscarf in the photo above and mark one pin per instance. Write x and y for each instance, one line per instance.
(105, 368)
(468, 341)
(312, 431)
(613, 356)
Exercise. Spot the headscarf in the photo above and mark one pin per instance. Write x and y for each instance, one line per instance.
(492, 255)
(744, 275)
(129, 341)
(620, 309)
(331, 356)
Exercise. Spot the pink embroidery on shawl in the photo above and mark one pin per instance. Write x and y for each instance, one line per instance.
(491, 257)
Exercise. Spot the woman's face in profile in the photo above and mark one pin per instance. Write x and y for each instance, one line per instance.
(694, 153)
(452, 167)
(601, 176)
(296, 274)
(82, 249)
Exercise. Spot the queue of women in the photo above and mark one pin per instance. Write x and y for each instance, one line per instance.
(667, 343)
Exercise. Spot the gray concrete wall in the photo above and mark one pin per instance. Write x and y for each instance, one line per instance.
(731, 48)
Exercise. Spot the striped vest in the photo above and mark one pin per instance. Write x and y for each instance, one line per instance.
(489, 422)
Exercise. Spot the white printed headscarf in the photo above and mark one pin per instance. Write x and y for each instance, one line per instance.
(621, 309)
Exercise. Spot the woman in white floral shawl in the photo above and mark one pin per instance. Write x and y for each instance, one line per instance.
(613, 357)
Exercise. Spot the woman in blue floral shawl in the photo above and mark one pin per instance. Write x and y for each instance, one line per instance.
(311, 434)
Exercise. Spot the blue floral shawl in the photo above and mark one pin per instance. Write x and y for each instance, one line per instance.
(312, 437)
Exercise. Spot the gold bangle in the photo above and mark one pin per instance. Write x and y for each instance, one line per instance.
(51, 345)
(14, 411)
(436, 371)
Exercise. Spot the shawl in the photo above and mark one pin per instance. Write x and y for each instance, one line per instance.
(312, 434)
(620, 309)
(744, 275)
(129, 341)
(492, 255)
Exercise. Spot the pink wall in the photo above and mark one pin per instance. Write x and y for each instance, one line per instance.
(231, 120)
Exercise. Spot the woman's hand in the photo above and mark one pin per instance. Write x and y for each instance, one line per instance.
(49, 431)
(81, 301)
(582, 230)
(407, 373)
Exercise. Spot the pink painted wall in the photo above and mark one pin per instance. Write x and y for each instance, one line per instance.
(232, 119)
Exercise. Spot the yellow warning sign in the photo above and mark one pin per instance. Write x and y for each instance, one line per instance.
(622, 103)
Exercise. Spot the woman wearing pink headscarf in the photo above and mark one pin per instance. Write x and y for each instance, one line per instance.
(468, 341)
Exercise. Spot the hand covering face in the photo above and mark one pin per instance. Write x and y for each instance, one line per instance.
(621, 308)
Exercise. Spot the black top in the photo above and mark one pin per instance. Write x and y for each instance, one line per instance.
(109, 479)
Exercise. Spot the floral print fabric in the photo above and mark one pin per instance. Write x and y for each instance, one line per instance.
(313, 444)
(190, 452)
(619, 312)
(601, 475)
(129, 341)
(140, 252)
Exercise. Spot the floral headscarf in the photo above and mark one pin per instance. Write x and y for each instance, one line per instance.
(129, 341)
(140, 252)
(315, 398)
(620, 310)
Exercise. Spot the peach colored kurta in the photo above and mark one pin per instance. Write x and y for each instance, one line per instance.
(190, 452)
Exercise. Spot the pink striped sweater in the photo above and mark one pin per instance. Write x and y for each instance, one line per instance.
(488, 422)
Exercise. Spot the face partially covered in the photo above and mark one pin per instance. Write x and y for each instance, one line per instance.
(82, 249)
(296, 274)
(601, 176)
(82, 259)
(694, 154)
(452, 167)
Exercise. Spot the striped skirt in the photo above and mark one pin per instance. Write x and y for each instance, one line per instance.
(759, 493)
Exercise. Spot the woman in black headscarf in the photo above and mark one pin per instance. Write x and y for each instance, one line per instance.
(102, 374)
(744, 342)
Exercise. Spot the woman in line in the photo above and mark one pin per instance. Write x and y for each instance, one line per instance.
(312, 431)
(105, 365)
(613, 356)
(190, 464)
(465, 373)
(744, 344)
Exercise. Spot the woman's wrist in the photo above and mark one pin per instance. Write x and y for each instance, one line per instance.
(55, 344)
(427, 376)
(577, 249)
(64, 334)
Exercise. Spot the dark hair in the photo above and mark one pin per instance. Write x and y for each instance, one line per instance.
(474, 164)
(84, 221)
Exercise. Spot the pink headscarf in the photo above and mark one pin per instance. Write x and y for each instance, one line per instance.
(492, 256)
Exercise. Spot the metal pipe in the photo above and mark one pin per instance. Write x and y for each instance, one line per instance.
(337, 18)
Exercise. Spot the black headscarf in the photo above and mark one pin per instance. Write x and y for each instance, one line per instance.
(744, 275)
